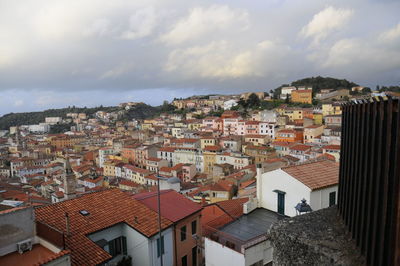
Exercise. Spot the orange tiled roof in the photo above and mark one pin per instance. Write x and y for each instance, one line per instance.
(315, 175)
(103, 213)
(332, 147)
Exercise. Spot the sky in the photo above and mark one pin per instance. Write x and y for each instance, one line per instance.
(56, 53)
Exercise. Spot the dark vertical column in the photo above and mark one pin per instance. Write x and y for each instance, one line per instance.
(369, 182)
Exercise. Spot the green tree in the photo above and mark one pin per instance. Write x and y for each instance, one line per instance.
(287, 100)
(253, 101)
(366, 90)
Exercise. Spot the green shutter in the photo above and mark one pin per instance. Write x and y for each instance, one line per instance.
(111, 247)
(124, 246)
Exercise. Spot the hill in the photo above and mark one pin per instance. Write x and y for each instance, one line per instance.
(139, 111)
(318, 83)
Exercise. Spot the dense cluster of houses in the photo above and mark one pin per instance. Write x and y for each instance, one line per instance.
(217, 175)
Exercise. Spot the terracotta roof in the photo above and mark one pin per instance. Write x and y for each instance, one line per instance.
(106, 208)
(332, 147)
(167, 149)
(247, 183)
(233, 207)
(128, 183)
(281, 143)
(174, 206)
(300, 147)
(327, 156)
(212, 148)
(315, 175)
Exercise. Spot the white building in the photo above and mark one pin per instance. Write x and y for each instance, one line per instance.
(267, 129)
(41, 128)
(282, 189)
(229, 104)
(243, 242)
(52, 120)
(286, 91)
(103, 154)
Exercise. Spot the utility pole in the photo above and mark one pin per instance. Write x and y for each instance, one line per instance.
(159, 221)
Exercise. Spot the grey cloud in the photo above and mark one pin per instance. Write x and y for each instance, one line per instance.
(223, 46)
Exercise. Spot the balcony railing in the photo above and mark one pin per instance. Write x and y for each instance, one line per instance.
(369, 182)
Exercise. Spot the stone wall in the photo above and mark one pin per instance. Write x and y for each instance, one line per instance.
(316, 238)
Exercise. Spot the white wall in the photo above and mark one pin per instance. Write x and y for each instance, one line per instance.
(262, 251)
(142, 249)
(320, 198)
(217, 255)
(168, 256)
(280, 180)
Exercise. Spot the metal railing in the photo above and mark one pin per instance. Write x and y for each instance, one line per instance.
(369, 182)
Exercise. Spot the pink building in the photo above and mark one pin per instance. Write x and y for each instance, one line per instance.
(252, 127)
(188, 172)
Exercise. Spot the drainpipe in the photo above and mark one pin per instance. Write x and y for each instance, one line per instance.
(67, 223)
(259, 184)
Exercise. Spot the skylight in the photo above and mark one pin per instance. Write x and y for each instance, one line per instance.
(84, 212)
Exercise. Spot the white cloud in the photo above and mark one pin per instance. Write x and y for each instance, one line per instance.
(325, 22)
(201, 22)
(222, 60)
(141, 24)
(391, 35)
(117, 71)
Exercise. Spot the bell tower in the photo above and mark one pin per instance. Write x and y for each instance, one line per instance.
(69, 181)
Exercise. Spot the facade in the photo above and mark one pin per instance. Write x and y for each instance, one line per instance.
(120, 227)
(302, 96)
(282, 189)
(242, 242)
(186, 218)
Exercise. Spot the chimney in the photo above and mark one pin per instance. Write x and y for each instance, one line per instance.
(203, 201)
(67, 223)
(259, 183)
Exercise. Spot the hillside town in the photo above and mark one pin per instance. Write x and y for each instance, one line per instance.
(221, 169)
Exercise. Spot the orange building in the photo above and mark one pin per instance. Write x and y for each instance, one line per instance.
(289, 135)
(302, 96)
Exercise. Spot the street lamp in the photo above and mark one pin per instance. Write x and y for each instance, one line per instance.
(159, 216)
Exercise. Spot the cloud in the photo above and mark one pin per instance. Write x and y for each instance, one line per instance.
(141, 24)
(117, 71)
(18, 103)
(222, 60)
(325, 22)
(202, 21)
(97, 48)
(391, 34)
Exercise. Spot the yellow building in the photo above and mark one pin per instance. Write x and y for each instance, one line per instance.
(209, 159)
(195, 125)
(331, 109)
(291, 113)
(146, 126)
(109, 168)
(302, 96)
(318, 118)
(204, 142)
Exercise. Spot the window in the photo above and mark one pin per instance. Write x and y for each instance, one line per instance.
(281, 201)
(158, 246)
(332, 198)
(184, 260)
(117, 246)
(194, 227)
(194, 256)
(183, 233)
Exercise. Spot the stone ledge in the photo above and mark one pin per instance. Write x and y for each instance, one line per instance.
(316, 238)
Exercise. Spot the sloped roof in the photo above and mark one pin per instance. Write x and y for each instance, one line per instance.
(315, 175)
(106, 208)
(174, 206)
